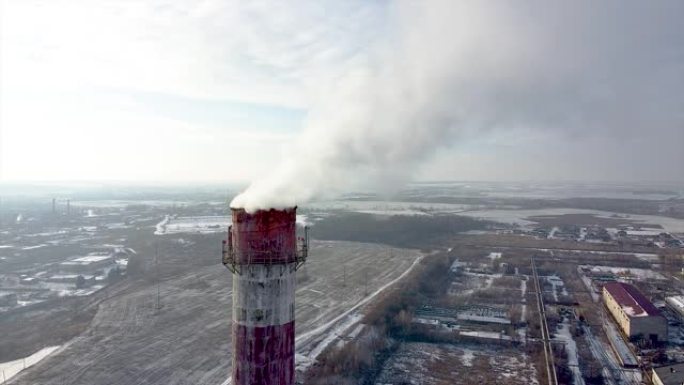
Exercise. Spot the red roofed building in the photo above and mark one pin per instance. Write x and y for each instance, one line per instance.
(636, 315)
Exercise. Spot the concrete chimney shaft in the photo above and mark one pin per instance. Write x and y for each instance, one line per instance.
(263, 251)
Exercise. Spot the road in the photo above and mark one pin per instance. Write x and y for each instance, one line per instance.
(546, 336)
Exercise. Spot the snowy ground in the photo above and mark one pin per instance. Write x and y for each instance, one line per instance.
(553, 232)
(423, 363)
(563, 334)
(188, 339)
(627, 272)
(389, 207)
(612, 371)
(12, 368)
(494, 256)
(521, 217)
(310, 344)
(471, 282)
(522, 332)
(588, 284)
(557, 287)
(114, 203)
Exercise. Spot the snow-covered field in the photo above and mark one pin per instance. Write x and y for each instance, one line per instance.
(543, 190)
(389, 207)
(521, 217)
(422, 363)
(309, 344)
(191, 330)
(114, 203)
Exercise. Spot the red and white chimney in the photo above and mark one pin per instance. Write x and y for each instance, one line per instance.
(262, 253)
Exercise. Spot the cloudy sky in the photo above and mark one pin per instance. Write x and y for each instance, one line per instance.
(174, 90)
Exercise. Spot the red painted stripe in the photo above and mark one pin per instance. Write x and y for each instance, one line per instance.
(265, 236)
(263, 355)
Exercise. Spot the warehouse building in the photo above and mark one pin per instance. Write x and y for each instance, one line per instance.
(636, 315)
(88, 263)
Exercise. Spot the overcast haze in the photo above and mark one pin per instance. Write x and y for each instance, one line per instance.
(382, 91)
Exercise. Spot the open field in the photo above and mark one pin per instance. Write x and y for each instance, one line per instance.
(527, 217)
(437, 364)
(187, 340)
(589, 220)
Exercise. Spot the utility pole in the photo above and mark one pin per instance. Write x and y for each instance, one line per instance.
(344, 277)
(365, 280)
(156, 266)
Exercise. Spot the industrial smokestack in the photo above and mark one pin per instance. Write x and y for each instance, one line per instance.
(261, 251)
(68, 207)
(54, 206)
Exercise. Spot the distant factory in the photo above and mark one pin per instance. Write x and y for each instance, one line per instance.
(637, 316)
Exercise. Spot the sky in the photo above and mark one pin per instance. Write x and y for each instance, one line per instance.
(228, 91)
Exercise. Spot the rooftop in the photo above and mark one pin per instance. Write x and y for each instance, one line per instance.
(631, 300)
(676, 301)
(86, 260)
(671, 374)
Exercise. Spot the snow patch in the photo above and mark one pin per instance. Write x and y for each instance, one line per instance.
(12, 368)
(467, 357)
(494, 256)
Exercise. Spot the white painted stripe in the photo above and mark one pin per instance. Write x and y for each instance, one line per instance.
(264, 295)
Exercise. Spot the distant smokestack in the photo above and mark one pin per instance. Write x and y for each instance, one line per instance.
(54, 206)
(68, 209)
(261, 251)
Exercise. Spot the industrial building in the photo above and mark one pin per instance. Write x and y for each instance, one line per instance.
(637, 316)
(668, 375)
(88, 263)
(676, 304)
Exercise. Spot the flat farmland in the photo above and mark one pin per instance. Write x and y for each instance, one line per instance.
(186, 339)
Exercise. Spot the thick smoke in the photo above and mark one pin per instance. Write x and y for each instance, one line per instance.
(453, 70)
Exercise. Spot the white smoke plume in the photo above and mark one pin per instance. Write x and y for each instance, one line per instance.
(453, 69)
